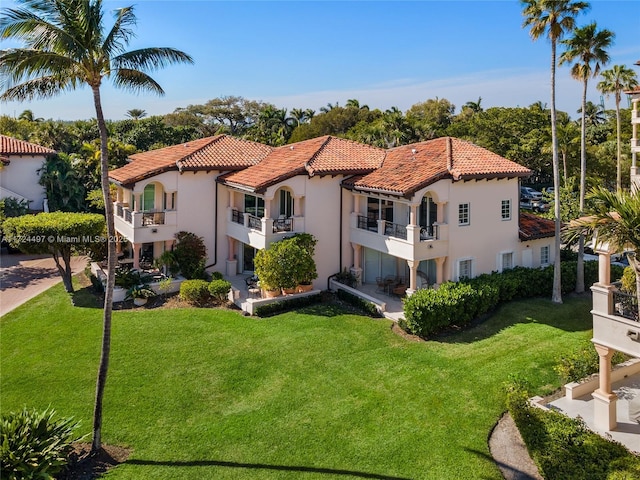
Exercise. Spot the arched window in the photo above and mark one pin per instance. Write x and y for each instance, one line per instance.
(286, 204)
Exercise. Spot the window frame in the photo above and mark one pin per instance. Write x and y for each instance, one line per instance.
(464, 214)
(505, 213)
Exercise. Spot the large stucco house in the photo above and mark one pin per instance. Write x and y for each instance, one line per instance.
(19, 175)
(428, 212)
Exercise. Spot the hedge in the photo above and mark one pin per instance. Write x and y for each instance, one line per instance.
(286, 305)
(456, 304)
(195, 292)
(369, 308)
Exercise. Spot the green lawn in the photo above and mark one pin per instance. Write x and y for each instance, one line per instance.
(316, 394)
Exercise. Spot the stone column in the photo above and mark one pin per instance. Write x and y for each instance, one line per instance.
(356, 270)
(413, 275)
(604, 401)
(232, 262)
(136, 255)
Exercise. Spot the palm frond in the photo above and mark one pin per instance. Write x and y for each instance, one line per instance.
(136, 81)
(43, 87)
(120, 34)
(150, 59)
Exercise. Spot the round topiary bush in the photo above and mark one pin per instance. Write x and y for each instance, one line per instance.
(195, 292)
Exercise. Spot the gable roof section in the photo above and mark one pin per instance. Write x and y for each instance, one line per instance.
(14, 146)
(220, 152)
(532, 227)
(325, 155)
(409, 168)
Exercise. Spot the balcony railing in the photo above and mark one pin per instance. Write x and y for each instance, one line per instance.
(366, 223)
(625, 305)
(255, 223)
(237, 217)
(128, 216)
(119, 210)
(152, 218)
(283, 225)
(395, 230)
(429, 232)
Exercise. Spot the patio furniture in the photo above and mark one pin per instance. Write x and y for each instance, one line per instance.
(400, 290)
(382, 286)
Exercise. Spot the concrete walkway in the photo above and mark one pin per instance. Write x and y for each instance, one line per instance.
(22, 277)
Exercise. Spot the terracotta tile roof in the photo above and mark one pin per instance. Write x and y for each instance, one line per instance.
(13, 146)
(409, 168)
(317, 156)
(633, 91)
(220, 152)
(533, 226)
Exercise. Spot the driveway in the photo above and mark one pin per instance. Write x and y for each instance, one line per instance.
(22, 277)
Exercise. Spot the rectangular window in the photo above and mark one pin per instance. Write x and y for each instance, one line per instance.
(544, 255)
(506, 209)
(507, 261)
(464, 269)
(463, 214)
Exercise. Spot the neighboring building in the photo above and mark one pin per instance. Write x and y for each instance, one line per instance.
(635, 136)
(428, 212)
(19, 175)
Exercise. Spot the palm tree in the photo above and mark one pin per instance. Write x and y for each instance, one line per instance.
(136, 113)
(587, 48)
(616, 80)
(553, 18)
(66, 46)
(474, 107)
(614, 220)
(594, 113)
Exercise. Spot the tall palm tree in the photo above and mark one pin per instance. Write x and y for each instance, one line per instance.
(587, 50)
(615, 220)
(66, 45)
(616, 80)
(553, 18)
(594, 113)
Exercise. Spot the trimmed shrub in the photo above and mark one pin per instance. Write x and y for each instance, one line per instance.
(216, 276)
(219, 289)
(286, 305)
(195, 292)
(583, 362)
(563, 447)
(190, 254)
(34, 445)
(369, 308)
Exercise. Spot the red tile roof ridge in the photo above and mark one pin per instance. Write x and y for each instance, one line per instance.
(15, 146)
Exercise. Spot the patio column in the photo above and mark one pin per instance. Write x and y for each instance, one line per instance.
(137, 201)
(413, 274)
(604, 401)
(118, 244)
(440, 212)
(136, 255)
(439, 270)
(230, 200)
(413, 214)
(356, 270)
(356, 204)
(297, 206)
(232, 262)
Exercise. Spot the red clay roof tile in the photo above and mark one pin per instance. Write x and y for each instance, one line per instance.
(533, 226)
(220, 152)
(409, 168)
(13, 146)
(317, 156)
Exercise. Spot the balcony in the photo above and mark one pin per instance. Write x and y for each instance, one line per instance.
(260, 232)
(411, 242)
(145, 226)
(615, 319)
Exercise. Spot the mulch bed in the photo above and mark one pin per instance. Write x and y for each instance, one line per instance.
(83, 466)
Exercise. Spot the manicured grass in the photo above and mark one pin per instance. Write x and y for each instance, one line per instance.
(314, 394)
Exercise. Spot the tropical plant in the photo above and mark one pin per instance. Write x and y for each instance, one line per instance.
(190, 254)
(616, 80)
(587, 50)
(34, 445)
(553, 18)
(66, 46)
(614, 220)
(139, 291)
(136, 113)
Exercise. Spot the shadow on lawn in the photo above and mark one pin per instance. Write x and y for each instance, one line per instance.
(569, 317)
(263, 466)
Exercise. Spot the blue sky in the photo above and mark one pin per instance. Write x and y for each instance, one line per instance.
(304, 54)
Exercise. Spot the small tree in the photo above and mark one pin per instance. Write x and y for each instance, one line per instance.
(190, 255)
(59, 234)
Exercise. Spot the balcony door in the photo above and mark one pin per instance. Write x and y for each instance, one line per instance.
(254, 205)
(149, 197)
(378, 264)
(286, 204)
(428, 214)
(248, 254)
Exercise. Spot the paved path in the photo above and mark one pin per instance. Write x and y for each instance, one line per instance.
(22, 277)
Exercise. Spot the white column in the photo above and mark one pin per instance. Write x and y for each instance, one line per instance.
(604, 401)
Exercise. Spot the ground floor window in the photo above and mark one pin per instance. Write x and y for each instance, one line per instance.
(545, 255)
(248, 254)
(506, 261)
(465, 268)
(378, 264)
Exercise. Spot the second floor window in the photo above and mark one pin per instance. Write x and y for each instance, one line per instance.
(254, 205)
(506, 210)
(463, 214)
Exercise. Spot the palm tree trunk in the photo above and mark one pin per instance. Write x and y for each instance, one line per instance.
(583, 186)
(556, 296)
(619, 159)
(111, 262)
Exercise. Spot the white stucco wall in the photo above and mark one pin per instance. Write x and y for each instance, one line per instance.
(21, 177)
(487, 235)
